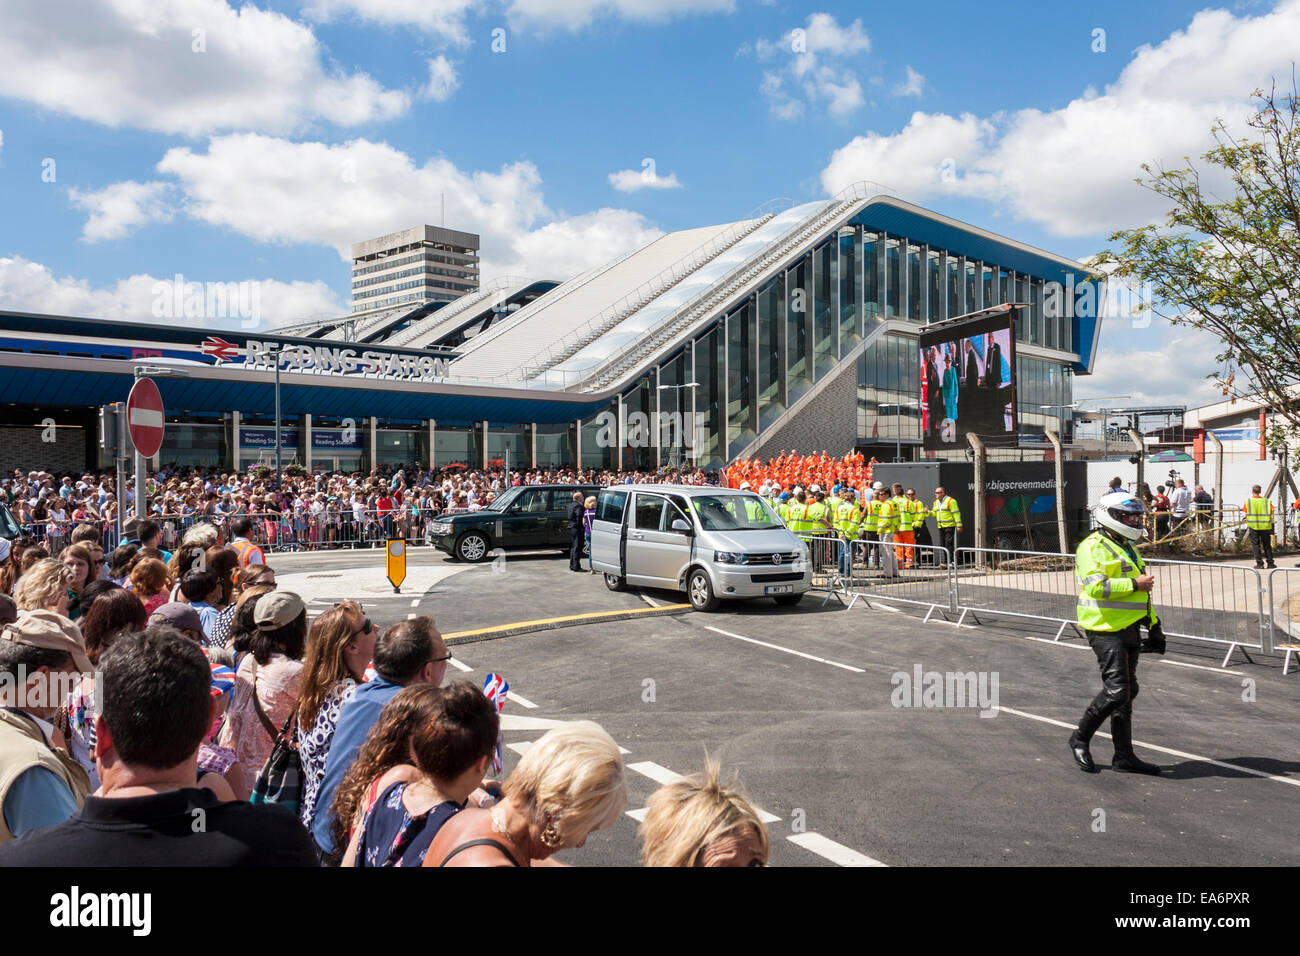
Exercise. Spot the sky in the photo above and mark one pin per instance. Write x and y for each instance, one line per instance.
(144, 139)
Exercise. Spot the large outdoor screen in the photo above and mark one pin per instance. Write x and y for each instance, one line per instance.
(968, 383)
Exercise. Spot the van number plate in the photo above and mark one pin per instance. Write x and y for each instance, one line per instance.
(779, 589)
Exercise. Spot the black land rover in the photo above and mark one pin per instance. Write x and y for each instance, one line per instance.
(528, 517)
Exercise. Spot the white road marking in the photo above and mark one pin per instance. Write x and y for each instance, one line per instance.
(886, 607)
(658, 774)
(411, 617)
(459, 666)
(765, 816)
(1164, 750)
(415, 603)
(835, 852)
(648, 601)
(787, 650)
(520, 722)
(1200, 667)
(639, 814)
(520, 747)
(519, 699)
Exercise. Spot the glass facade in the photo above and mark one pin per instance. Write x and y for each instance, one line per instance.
(399, 446)
(710, 372)
(850, 290)
(799, 355)
(742, 400)
(889, 391)
(771, 370)
(456, 445)
(554, 445)
(825, 267)
(914, 294)
(197, 445)
(508, 444)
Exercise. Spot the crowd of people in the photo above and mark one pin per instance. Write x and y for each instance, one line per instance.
(789, 469)
(302, 511)
(143, 690)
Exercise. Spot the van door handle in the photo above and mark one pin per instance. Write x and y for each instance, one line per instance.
(637, 537)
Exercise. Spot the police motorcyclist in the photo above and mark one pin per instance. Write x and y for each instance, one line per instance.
(1114, 604)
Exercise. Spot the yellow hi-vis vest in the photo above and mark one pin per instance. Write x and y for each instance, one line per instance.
(870, 519)
(816, 512)
(1259, 513)
(916, 513)
(798, 518)
(947, 514)
(887, 517)
(1109, 600)
(848, 519)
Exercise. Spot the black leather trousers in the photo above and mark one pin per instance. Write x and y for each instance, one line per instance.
(1117, 656)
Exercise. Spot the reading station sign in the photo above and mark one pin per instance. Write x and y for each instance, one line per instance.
(260, 355)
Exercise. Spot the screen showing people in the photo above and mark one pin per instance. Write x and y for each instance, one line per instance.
(967, 383)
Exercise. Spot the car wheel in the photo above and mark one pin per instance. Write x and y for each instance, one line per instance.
(614, 582)
(700, 590)
(788, 600)
(472, 547)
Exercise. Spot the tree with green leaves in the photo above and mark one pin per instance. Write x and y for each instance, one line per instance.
(1231, 266)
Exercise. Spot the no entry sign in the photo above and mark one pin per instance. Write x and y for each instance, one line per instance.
(144, 417)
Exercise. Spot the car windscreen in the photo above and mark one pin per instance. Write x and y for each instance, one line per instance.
(502, 503)
(8, 527)
(724, 512)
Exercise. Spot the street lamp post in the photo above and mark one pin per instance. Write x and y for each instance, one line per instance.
(274, 351)
(681, 430)
(898, 427)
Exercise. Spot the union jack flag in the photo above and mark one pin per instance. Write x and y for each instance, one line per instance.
(496, 688)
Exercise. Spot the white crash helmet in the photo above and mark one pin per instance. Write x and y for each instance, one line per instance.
(1122, 513)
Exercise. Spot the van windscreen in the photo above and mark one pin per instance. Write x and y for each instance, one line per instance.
(724, 512)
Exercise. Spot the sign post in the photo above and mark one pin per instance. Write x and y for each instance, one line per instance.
(144, 422)
(396, 551)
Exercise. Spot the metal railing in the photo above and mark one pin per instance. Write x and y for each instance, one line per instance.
(452, 309)
(1206, 602)
(919, 574)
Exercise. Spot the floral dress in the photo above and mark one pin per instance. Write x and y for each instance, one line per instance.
(391, 836)
(314, 746)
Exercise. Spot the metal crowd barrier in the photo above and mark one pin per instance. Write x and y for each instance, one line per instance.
(1213, 603)
(923, 576)
(1284, 609)
(825, 554)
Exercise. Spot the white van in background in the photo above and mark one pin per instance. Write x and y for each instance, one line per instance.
(713, 543)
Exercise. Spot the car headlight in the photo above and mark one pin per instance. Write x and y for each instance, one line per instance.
(728, 557)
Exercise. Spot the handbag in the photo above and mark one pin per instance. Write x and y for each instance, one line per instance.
(280, 780)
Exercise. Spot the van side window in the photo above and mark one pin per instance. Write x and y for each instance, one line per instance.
(610, 506)
(649, 512)
(672, 513)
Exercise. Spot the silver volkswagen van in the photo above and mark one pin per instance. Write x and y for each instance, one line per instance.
(715, 544)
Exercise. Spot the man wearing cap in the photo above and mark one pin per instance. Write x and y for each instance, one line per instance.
(41, 784)
(181, 616)
(148, 810)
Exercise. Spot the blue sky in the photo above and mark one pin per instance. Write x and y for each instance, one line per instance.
(257, 147)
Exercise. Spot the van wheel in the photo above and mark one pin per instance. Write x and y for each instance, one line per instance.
(471, 547)
(700, 590)
(788, 600)
(614, 582)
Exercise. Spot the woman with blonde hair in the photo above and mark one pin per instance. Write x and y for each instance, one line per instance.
(44, 586)
(699, 822)
(339, 647)
(565, 786)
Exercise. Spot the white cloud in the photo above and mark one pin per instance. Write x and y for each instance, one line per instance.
(443, 18)
(181, 66)
(1170, 370)
(814, 75)
(117, 210)
(914, 85)
(631, 180)
(277, 191)
(1072, 169)
(443, 80)
(28, 286)
(575, 14)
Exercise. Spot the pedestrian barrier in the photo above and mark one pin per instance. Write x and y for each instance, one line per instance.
(1284, 609)
(1033, 584)
(825, 558)
(924, 576)
(1213, 603)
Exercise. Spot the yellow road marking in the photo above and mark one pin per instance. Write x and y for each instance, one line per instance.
(593, 616)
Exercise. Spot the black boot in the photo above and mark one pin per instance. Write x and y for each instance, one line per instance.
(1079, 751)
(1125, 761)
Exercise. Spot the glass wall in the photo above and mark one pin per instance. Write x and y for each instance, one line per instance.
(873, 248)
(600, 438)
(742, 400)
(709, 372)
(825, 262)
(850, 290)
(195, 445)
(987, 287)
(799, 359)
(933, 288)
(888, 393)
(972, 288)
(638, 420)
(955, 285)
(771, 370)
(400, 446)
(891, 277)
(914, 282)
(456, 444)
(508, 446)
(555, 446)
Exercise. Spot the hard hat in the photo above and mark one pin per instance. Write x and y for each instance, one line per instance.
(744, 486)
(1122, 513)
(877, 486)
(765, 490)
(815, 488)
